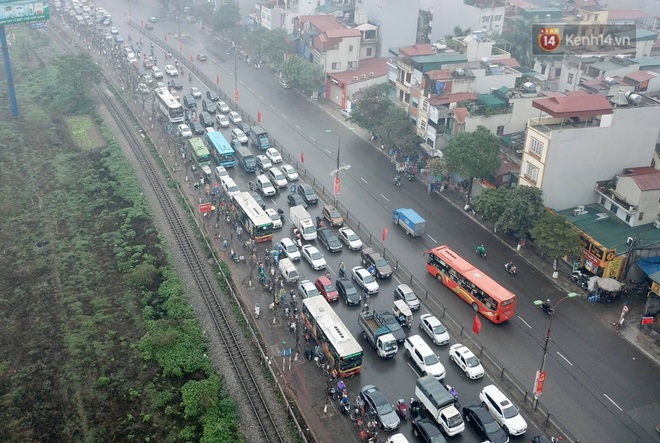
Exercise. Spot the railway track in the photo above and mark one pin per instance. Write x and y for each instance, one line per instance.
(197, 268)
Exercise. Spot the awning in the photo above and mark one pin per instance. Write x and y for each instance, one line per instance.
(650, 266)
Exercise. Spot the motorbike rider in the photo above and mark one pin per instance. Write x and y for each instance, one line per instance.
(547, 305)
(510, 267)
(319, 222)
(342, 269)
(481, 250)
(397, 180)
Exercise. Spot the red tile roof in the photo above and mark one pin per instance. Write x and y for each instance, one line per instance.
(421, 49)
(440, 74)
(575, 105)
(647, 178)
(461, 114)
(452, 98)
(376, 65)
(323, 23)
(640, 76)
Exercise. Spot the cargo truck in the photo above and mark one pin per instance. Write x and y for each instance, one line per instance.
(259, 138)
(380, 338)
(440, 404)
(302, 221)
(410, 221)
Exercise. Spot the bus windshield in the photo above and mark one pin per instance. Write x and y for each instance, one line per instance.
(257, 223)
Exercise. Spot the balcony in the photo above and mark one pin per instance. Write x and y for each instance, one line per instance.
(606, 190)
(548, 124)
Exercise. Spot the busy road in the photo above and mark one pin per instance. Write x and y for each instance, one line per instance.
(588, 388)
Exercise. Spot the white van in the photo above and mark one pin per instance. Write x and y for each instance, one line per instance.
(220, 172)
(288, 270)
(504, 412)
(229, 186)
(424, 357)
(265, 186)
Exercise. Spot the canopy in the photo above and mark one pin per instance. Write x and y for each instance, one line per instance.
(651, 266)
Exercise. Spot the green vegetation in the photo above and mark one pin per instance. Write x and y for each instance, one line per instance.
(556, 236)
(99, 342)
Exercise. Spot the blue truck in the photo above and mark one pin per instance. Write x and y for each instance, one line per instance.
(259, 138)
(410, 221)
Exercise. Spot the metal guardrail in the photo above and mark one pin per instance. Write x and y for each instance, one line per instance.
(522, 395)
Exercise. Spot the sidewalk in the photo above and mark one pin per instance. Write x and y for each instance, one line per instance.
(643, 338)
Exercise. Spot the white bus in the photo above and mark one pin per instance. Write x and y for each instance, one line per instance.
(257, 223)
(169, 105)
(332, 335)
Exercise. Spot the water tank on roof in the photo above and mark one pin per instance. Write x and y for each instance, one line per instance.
(459, 71)
(485, 61)
(440, 46)
(622, 56)
(633, 98)
(609, 80)
(529, 87)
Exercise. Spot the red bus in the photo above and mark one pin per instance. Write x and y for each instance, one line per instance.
(483, 293)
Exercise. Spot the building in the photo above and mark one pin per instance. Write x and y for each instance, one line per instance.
(341, 86)
(396, 20)
(576, 132)
(632, 196)
(440, 17)
(330, 43)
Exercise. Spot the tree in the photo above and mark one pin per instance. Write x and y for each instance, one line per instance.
(372, 103)
(524, 207)
(491, 203)
(257, 38)
(556, 236)
(310, 77)
(75, 76)
(276, 45)
(396, 130)
(518, 40)
(291, 69)
(473, 155)
(226, 17)
(436, 167)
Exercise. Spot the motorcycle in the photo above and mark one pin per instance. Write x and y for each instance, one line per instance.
(402, 409)
(257, 310)
(548, 308)
(237, 258)
(580, 279)
(481, 252)
(397, 180)
(342, 270)
(415, 407)
(510, 268)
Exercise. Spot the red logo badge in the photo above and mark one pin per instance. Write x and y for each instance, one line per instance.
(549, 39)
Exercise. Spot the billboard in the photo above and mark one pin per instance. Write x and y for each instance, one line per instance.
(23, 11)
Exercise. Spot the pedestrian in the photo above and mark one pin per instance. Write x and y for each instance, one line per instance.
(293, 187)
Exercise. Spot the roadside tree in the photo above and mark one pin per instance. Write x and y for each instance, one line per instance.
(473, 155)
(372, 103)
(226, 17)
(524, 207)
(291, 69)
(75, 75)
(556, 236)
(491, 203)
(436, 167)
(275, 46)
(397, 131)
(310, 77)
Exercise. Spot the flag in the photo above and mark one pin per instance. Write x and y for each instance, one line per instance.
(476, 324)
(384, 233)
(236, 95)
(302, 157)
(191, 59)
(259, 116)
(180, 45)
(217, 80)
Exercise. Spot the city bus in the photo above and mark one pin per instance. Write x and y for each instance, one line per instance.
(256, 222)
(199, 151)
(338, 344)
(483, 293)
(220, 149)
(169, 106)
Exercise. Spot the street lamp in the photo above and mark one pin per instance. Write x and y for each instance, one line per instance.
(540, 375)
(336, 171)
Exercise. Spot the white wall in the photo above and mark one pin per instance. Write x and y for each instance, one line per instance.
(447, 14)
(484, 82)
(397, 20)
(515, 121)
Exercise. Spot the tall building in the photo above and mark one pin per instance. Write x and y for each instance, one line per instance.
(442, 16)
(396, 19)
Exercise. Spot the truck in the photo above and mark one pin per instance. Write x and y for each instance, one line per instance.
(379, 337)
(302, 221)
(440, 404)
(410, 221)
(259, 138)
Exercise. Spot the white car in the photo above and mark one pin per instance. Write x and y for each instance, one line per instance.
(466, 360)
(345, 113)
(114, 31)
(222, 120)
(502, 410)
(235, 117)
(290, 249)
(237, 134)
(276, 177)
(430, 324)
(131, 57)
(264, 162)
(184, 131)
(157, 72)
(307, 289)
(172, 71)
(350, 238)
(313, 257)
(222, 107)
(221, 171)
(195, 92)
(274, 155)
(289, 172)
(275, 218)
(365, 280)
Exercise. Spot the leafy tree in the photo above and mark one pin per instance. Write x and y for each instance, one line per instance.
(492, 202)
(75, 76)
(436, 167)
(372, 103)
(556, 236)
(524, 207)
(518, 40)
(396, 130)
(199, 396)
(226, 17)
(310, 77)
(205, 11)
(291, 69)
(473, 155)
(257, 38)
(276, 45)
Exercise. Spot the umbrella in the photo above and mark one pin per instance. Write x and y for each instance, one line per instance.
(609, 284)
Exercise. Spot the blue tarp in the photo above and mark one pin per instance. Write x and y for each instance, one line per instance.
(649, 265)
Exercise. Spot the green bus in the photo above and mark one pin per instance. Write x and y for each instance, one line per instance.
(199, 151)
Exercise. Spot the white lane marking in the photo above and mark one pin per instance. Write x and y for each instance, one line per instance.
(312, 138)
(250, 89)
(386, 199)
(567, 360)
(432, 239)
(327, 150)
(414, 370)
(364, 180)
(285, 117)
(523, 320)
(299, 128)
(272, 107)
(260, 97)
(618, 407)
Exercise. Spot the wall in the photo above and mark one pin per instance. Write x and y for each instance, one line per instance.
(397, 20)
(448, 14)
(341, 55)
(578, 157)
(484, 83)
(514, 121)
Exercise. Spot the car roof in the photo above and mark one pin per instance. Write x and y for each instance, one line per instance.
(404, 288)
(431, 319)
(481, 412)
(286, 240)
(345, 282)
(324, 280)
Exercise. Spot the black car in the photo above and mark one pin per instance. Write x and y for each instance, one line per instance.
(206, 119)
(189, 101)
(372, 258)
(380, 408)
(196, 127)
(176, 84)
(329, 239)
(308, 194)
(202, 57)
(258, 199)
(484, 424)
(213, 96)
(541, 439)
(243, 126)
(209, 106)
(348, 292)
(427, 431)
(295, 200)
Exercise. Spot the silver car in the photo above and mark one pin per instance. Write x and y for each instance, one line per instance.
(405, 293)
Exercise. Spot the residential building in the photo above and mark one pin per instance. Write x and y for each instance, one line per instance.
(341, 86)
(478, 46)
(329, 42)
(632, 196)
(442, 16)
(576, 132)
(396, 20)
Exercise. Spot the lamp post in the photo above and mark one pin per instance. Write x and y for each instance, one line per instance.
(339, 167)
(540, 375)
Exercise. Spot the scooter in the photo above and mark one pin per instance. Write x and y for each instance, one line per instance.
(342, 270)
(510, 268)
(257, 310)
(547, 308)
(397, 180)
(482, 253)
(402, 409)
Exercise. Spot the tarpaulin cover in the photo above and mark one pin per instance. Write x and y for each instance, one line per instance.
(650, 266)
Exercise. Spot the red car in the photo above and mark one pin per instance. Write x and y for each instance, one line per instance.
(147, 63)
(326, 288)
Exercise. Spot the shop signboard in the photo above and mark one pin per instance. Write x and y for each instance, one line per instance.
(23, 11)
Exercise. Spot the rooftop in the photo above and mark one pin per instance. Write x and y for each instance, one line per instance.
(647, 178)
(641, 76)
(607, 66)
(440, 74)
(647, 62)
(578, 105)
(414, 50)
(452, 98)
(626, 14)
(323, 23)
(377, 66)
(441, 57)
(461, 114)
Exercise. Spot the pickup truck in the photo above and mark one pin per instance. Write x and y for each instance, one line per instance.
(380, 338)
(440, 404)
(410, 221)
(372, 258)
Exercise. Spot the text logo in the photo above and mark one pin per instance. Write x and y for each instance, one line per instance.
(549, 39)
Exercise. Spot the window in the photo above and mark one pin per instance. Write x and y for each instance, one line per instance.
(641, 216)
(627, 218)
(486, 19)
(350, 48)
(425, 105)
(596, 17)
(570, 79)
(422, 125)
(498, 18)
(500, 130)
(336, 65)
(614, 208)
(543, 68)
(531, 171)
(536, 146)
